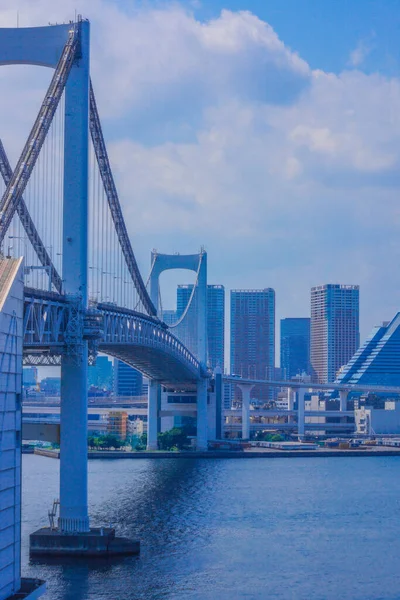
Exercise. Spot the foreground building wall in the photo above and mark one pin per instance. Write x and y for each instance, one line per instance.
(11, 315)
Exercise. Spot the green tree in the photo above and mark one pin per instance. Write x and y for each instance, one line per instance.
(174, 438)
(141, 443)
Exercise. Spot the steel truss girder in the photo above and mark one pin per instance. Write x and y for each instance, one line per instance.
(125, 327)
(48, 316)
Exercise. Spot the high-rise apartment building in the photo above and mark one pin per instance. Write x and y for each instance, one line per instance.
(100, 374)
(216, 325)
(215, 320)
(127, 380)
(253, 336)
(335, 333)
(295, 346)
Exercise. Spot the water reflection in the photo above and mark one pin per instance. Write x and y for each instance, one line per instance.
(231, 529)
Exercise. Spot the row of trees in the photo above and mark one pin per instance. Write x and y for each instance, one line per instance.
(175, 439)
(269, 437)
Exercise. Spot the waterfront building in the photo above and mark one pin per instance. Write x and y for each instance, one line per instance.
(118, 424)
(377, 361)
(295, 347)
(127, 380)
(335, 333)
(100, 375)
(215, 320)
(253, 337)
(371, 421)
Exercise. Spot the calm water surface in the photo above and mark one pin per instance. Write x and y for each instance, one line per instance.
(301, 529)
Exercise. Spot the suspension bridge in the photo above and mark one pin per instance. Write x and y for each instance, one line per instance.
(83, 290)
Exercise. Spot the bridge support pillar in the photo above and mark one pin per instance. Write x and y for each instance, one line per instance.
(73, 422)
(73, 445)
(246, 390)
(290, 401)
(300, 412)
(152, 414)
(218, 403)
(343, 399)
(202, 441)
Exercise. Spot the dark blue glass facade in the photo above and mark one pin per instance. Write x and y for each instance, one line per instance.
(215, 321)
(295, 346)
(377, 361)
(127, 380)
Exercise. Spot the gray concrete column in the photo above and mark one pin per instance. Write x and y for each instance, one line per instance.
(343, 399)
(218, 403)
(290, 399)
(202, 437)
(300, 412)
(152, 414)
(246, 390)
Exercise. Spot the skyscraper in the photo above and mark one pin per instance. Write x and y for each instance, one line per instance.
(335, 334)
(127, 380)
(101, 374)
(216, 325)
(215, 320)
(295, 346)
(253, 336)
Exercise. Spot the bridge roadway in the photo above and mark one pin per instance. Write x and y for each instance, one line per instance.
(48, 413)
(345, 387)
(141, 341)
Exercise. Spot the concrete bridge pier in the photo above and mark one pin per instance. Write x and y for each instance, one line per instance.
(300, 412)
(343, 394)
(245, 388)
(202, 392)
(153, 421)
(290, 399)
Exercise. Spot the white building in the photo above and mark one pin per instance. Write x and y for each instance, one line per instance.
(11, 332)
(377, 420)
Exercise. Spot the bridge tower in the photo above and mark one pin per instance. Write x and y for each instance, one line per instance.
(198, 264)
(64, 48)
(73, 444)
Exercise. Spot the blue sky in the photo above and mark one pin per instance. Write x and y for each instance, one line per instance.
(269, 132)
(323, 32)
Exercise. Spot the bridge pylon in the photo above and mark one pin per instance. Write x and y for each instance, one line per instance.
(198, 264)
(65, 48)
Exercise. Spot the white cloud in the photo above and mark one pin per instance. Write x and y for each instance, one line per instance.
(361, 51)
(220, 134)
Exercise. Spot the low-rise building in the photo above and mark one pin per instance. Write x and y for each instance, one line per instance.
(370, 421)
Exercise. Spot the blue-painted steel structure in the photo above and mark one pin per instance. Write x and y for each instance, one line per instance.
(63, 326)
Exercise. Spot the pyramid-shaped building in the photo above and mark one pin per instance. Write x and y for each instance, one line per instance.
(377, 361)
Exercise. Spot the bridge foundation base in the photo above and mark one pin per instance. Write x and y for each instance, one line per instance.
(99, 541)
